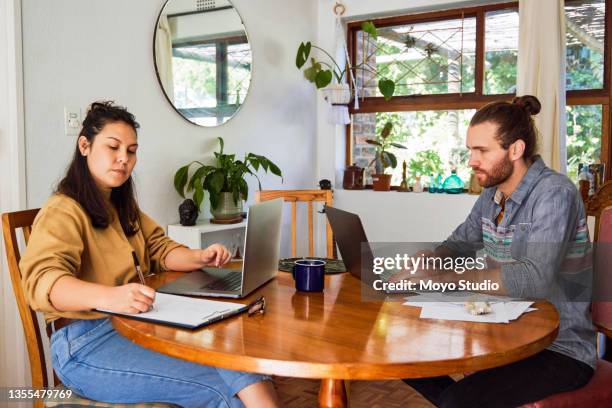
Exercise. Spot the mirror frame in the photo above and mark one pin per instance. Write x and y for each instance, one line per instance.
(246, 33)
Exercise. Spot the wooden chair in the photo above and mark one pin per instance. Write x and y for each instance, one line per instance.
(598, 392)
(29, 319)
(600, 200)
(309, 196)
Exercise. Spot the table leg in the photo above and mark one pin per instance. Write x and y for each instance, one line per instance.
(332, 394)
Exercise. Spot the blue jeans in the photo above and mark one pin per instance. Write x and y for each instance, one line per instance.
(96, 362)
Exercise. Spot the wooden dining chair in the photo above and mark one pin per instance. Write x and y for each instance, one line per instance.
(23, 220)
(308, 196)
(598, 392)
(596, 203)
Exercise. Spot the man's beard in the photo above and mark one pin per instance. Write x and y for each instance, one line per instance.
(500, 172)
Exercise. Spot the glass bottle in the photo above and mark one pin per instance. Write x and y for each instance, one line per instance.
(433, 187)
(453, 184)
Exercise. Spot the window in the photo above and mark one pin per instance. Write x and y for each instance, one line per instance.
(447, 64)
(211, 74)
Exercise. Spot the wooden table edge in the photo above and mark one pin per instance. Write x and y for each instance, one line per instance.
(336, 370)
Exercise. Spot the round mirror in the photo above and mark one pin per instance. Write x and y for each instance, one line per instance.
(202, 59)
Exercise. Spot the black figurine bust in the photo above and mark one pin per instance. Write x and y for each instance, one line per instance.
(325, 184)
(188, 212)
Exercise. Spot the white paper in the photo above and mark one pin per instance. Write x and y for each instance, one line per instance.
(501, 312)
(184, 310)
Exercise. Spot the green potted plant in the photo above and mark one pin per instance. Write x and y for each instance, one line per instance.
(321, 73)
(224, 182)
(384, 158)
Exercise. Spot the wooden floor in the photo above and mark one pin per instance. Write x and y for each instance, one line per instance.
(300, 393)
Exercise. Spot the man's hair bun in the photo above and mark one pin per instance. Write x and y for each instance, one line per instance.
(529, 103)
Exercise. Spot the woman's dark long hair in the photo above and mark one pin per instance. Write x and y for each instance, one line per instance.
(79, 184)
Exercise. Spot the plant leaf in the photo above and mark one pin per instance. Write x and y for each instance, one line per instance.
(386, 88)
(323, 78)
(302, 54)
(275, 170)
(391, 159)
(265, 163)
(311, 73)
(244, 189)
(370, 28)
(221, 144)
(198, 195)
(197, 177)
(399, 146)
(217, 180)
(386, 130)
(180, 179)
(373, 142)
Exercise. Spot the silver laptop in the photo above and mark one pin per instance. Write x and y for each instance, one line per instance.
(260, 263)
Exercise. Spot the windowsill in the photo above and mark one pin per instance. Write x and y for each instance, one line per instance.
(392, 216)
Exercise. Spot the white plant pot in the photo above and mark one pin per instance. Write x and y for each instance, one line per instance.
(337, 94)
(226, 209)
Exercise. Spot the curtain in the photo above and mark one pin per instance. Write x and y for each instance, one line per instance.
(163, 55)
(541, 72)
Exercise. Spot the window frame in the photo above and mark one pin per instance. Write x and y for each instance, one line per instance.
(476, 99)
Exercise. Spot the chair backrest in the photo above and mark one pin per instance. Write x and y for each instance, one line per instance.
(600, 200)
(602, 311)
(33, 336)
(309, 196)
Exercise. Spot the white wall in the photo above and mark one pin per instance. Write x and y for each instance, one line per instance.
(406, 217)
(78, 51)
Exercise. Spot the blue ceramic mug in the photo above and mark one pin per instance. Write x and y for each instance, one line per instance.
(309, 275)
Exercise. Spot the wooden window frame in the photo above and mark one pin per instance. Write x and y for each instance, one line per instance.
(476, 99)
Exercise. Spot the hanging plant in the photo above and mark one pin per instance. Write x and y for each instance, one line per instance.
(322, 72)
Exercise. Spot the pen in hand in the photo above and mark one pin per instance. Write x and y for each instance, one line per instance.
(139, 271)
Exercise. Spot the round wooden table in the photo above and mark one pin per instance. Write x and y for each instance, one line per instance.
(334, 336)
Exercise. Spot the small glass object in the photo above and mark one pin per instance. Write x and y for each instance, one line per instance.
(440, 184)
(453, 184)
(433, 186)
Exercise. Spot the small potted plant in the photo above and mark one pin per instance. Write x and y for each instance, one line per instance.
(224, 182)
(321, 73)
(384, 158)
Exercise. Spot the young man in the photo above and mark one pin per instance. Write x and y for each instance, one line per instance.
(530, 222)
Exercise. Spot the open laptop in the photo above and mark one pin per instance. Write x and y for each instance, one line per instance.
(349, 235)
(260, 263)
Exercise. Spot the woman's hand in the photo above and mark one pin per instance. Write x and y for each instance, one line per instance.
(215, 255)
(129, 298)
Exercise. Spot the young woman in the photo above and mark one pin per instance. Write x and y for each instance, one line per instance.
(79, 258)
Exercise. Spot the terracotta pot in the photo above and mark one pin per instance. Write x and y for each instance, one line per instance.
(381, 182)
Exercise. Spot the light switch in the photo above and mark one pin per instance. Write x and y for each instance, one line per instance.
(72, 121)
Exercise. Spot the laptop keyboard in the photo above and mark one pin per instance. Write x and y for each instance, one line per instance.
(229, 283)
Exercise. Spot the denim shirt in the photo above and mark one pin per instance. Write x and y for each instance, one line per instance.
(543, 232)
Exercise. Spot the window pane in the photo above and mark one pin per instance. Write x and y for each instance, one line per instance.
(193, 70)
(585, 29)
(501, 51)
(239, 72)
(434, 141)
(583, 136)
(424, 58)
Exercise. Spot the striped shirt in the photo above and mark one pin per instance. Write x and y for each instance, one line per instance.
(540, 243)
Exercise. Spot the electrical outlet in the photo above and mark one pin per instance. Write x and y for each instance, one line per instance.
(72, 121)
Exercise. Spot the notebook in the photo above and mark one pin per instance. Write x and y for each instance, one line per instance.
(185, 312)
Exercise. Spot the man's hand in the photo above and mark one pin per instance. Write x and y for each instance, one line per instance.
(129, 298)
(215, 255)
